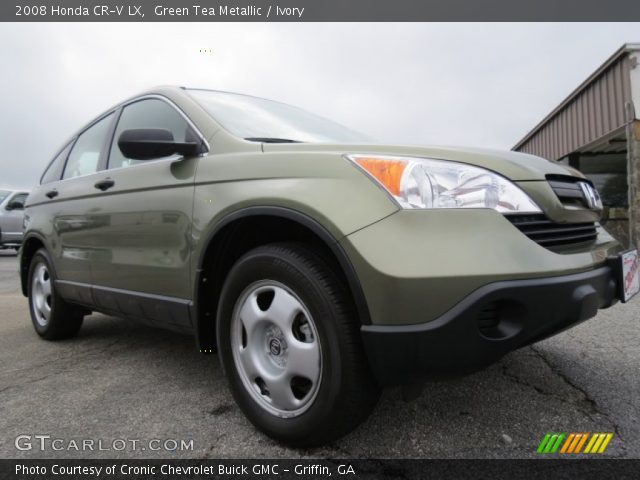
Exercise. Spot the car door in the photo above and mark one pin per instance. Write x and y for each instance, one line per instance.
(143, 241)
(60, 212)
(12, 218)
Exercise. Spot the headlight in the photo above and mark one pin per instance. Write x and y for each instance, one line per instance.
(429, 183)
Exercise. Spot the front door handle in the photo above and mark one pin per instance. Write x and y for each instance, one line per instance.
(52, 193)
(105, 184)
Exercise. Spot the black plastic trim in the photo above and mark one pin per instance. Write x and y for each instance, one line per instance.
(454, 342)
(547, 233)
(103, 163)
(152, 309)
(24, 269)
(75, 292)
(308, 222)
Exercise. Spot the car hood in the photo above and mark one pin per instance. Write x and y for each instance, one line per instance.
(513, 165)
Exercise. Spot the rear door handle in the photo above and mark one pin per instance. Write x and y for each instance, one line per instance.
(52, 193)
(105, 184)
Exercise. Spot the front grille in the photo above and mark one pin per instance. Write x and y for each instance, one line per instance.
(550, 234)
(568, 190)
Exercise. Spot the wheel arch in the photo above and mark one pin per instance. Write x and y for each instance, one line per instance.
(234, 235)
(30, 245)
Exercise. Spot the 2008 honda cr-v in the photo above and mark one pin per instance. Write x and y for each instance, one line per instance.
(321, 266)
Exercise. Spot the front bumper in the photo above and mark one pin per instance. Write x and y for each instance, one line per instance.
(416, 265)
(490, 322)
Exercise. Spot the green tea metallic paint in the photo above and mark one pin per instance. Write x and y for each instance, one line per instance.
(150, 232)
(387, 294)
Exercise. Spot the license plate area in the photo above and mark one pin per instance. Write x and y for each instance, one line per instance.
(627, 275)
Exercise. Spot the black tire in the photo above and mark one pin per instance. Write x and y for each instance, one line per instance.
(346, 392)
(65, 319)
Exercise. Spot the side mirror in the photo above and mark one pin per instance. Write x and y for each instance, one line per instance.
(151, 143)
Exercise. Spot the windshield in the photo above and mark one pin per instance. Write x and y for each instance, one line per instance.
(4, 194)
(263, 120)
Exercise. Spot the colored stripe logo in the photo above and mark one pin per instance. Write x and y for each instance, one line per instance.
(573, 443)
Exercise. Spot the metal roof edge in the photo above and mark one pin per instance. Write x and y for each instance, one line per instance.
(617, 55)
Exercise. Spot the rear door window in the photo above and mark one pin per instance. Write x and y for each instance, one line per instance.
(85, 154)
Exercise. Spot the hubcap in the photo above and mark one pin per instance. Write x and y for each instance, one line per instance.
(41, 294)
(276, 348)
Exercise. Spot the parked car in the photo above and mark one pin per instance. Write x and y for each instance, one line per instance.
(321, 266)
(11, 218)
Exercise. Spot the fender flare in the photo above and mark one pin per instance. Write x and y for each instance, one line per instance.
(24, 269)
(353, 282)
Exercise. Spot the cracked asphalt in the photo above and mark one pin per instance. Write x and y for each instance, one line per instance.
(120, 380)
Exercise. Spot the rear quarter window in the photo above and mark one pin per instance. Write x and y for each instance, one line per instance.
(53, 173)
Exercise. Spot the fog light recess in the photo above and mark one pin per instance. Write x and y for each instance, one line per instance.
(501, 319)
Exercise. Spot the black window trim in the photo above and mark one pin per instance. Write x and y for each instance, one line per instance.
(106, 149)
(103, 164)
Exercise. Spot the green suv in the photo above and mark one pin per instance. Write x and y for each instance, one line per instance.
(321, 266)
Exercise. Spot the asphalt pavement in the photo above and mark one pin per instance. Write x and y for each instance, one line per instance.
(120, 382)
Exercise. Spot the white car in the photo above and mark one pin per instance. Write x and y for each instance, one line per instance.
(11, 216)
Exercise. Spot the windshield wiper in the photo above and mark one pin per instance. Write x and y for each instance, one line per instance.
(272, 140)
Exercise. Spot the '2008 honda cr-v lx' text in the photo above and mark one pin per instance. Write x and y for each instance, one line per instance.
(321, 266)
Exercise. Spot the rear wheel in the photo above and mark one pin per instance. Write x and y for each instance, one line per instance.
(290, 345)
(53, 318)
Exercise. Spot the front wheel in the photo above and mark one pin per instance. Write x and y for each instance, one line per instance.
(290, 346)
(53, 318)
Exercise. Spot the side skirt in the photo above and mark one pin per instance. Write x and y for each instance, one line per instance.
(155, 310)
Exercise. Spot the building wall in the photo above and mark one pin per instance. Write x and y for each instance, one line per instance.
(633, 142)
(634, 74)
(599, 119)
(609, 174)
(594, 112)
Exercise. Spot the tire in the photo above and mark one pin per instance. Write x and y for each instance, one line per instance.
(290, 345)
(53, 318)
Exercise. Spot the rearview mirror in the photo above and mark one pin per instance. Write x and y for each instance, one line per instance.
(150, 143)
